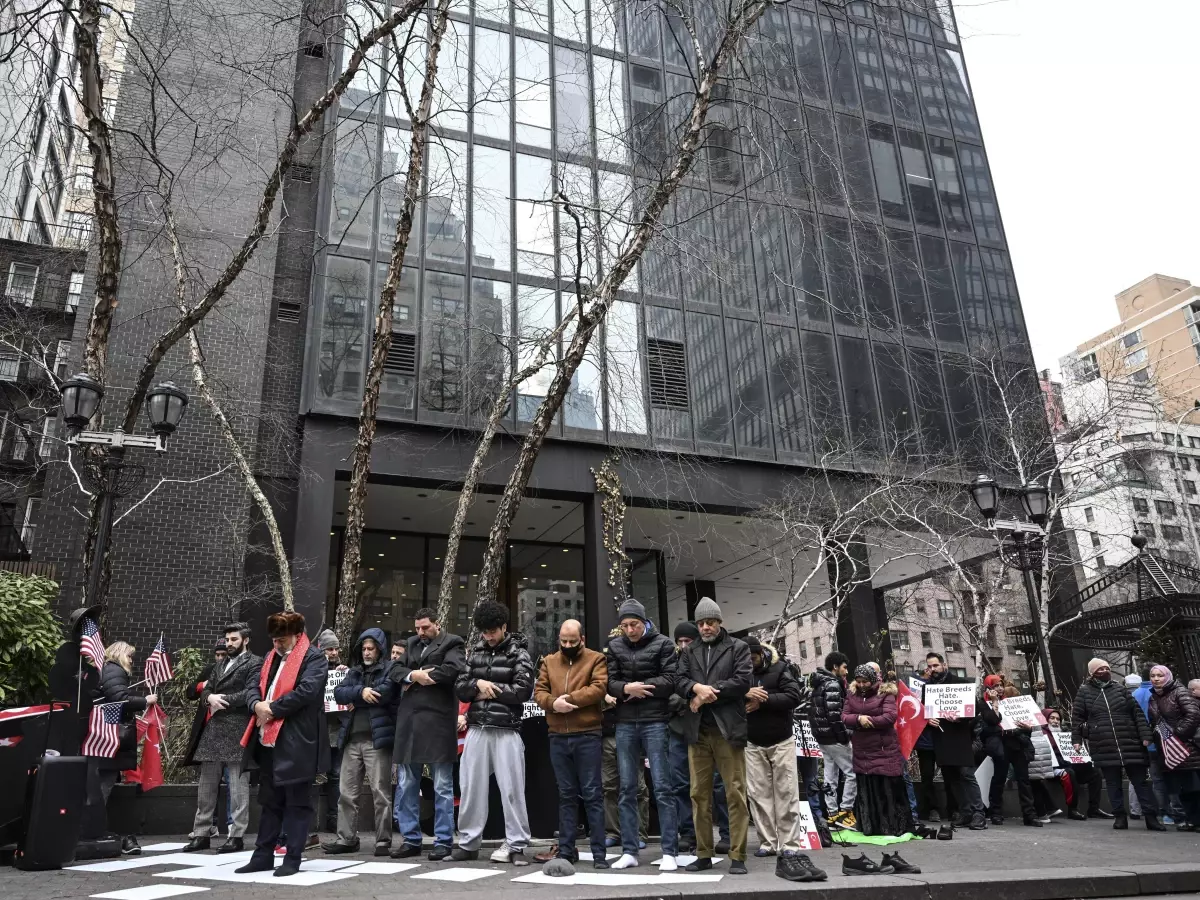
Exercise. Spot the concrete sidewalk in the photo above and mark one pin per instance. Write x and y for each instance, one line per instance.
(1061, 861)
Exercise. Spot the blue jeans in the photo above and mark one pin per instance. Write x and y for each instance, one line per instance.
(577, 759)
(408, 802)
(807, 767)
(681, 786)
(912, 794)
(635, 741)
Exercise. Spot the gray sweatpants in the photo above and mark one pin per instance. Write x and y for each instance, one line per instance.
(206, 798)
(361, 760)
(488, 751)
(841, 757)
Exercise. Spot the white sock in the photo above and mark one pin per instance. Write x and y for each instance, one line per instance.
(626, 861)
(667, 864)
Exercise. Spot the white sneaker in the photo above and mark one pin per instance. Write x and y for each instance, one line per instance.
(628, 862)
(500, 854)
(667, 864)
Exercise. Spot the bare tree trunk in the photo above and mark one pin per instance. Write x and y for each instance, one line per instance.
(360, 467)
(602, 299)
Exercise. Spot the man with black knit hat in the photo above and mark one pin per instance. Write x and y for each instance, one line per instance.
(641, 676)
(714, 677)
(287, 739)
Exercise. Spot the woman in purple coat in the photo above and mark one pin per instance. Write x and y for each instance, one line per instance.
(870, 715)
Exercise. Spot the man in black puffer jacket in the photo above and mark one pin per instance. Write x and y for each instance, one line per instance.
(828, 698)
(1109, 718)
(498, 681)
(365, 741)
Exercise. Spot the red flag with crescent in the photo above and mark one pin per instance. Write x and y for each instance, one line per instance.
(910, 719)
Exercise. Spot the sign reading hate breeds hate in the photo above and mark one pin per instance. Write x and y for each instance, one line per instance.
(1019, 709)
(955, 699)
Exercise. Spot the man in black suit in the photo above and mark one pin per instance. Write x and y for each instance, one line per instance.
(427, 732)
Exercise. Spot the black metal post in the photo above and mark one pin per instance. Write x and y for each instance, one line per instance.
(1026, 562)
(110, 473)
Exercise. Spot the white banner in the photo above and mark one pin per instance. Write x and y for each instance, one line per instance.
(955, 699)
(806, 743)
(1019, 709)
(1067, 749)
(807, 826)
(336, 677)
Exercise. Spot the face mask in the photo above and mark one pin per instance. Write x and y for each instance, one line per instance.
(572, 652)
(1107, 676)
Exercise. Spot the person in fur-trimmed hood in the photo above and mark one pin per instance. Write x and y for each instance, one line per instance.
(881, 806)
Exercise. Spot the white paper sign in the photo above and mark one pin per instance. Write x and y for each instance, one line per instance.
(916, 684)
(806, 743)
(1019, 709)
(807, 828)
(336, 677)
(956, 699)
(1067, 749)
(532, 710)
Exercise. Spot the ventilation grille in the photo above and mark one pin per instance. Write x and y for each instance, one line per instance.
(300, 174)
(402, 355)
(666, 364)
(288, 311)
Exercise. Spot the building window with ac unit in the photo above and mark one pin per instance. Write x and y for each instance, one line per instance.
(952, 642)
(900, 640)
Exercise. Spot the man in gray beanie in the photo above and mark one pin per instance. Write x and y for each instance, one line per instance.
(641, 676)
(714, 677)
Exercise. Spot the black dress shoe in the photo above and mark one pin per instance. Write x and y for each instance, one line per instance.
(1031, 823)
(1120, 823)
(256, 866)
(406, 850)
(1152, 824)
(287, 867)
(945, 833)
(339, 846)
(997, 820)
(1099, 814)
(197, 843)
(1076, 816)
(439, 852)
(233, 845)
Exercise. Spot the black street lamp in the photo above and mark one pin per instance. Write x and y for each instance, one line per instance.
(81, 398)
(1021, 546)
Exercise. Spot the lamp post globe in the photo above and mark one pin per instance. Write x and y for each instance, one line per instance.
(1036, 500)
(165, 404)
(81, 396)
(986, 495)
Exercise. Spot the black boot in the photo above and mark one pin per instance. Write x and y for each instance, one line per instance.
(197, 843)
(1152, 823)
(232, 845)
(1120, 822)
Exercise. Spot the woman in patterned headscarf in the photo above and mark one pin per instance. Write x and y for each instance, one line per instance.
(870, 715)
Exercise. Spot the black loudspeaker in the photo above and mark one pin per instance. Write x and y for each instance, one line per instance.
(55, 794)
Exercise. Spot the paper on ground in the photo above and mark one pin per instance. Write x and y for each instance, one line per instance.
(164, 847)
(224, 873)
(459, 874)
(688, 860)
(380, 868)
(607, 879)
(152, 892)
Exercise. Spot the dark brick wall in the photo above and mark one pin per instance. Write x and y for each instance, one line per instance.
(180, 559)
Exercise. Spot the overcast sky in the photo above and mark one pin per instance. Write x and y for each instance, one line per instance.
(1090, 115)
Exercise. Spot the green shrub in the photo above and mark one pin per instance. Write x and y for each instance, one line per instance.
(29, 637)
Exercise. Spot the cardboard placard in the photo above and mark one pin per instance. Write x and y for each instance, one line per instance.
(806, 743)
(955, 699)
(1063, 740)
(1019, 709)
(336, 677)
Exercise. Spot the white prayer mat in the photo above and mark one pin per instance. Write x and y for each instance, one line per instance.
(380, 868)
(460, 874)
(152, 891)
(325, 865)
(224, 873)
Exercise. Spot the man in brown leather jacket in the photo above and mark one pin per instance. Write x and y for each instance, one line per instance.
(570, 687)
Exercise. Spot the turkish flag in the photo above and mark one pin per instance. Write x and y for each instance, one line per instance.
(150, 730)
(910, 719)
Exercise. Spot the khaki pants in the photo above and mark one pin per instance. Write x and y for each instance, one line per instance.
(610, 775)
(359, 760)
(773, 785)
(712, 750)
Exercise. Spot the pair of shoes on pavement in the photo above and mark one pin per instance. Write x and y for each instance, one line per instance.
(892, 863)
(283, 870)
(506, 854)
(792, 866)
(736, 866)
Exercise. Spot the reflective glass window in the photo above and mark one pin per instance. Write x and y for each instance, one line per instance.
(491, 344)
(695, 235)
(895, 399)
(964, 407)
(772, 266)
(535, 217)
(708, 379)
(919, 178)
(571, 102)
(606, 25)
(982, 198)
(906, 277)
(785, 378)
(537, 315)
(808, 272)
(570, 20)
(809, 64)
(450, 101)
(1005, 303)
(396, 144)
(340, 362)
(532, 92)
(876, 282)
(886, 164)
(856, 161)
(968, 275)
(351, 206)
(839, 263)
(493, 94)
(900, 80)
(958, 94)
(648, 105)
(871, 79)
(929, 83)
(443, 344)
(839, 58)
(445, 203)
(643, 29)
(625, 380)
(612, 128)
(531, 15)
(671, 423)
(949, 185)
(735, 264)
(931, 406)
(940, 283)
(490, 210)
(823, 151)
(858, 384)
(751, 425)
(824, 392)
(363, 91)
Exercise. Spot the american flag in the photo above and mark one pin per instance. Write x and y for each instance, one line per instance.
(1175, 752)
(103, 736)
(158, 665)
(90, 644)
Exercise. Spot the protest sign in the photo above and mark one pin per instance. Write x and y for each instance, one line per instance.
(531, 710)
(807, 826)
(1067, 749)
(1019, 709)
(336, 677)
(957, 700)
(806, 743)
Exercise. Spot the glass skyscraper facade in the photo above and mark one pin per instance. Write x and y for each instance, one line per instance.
(821, 279)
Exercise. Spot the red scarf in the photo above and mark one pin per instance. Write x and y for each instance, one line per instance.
(287, 683)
